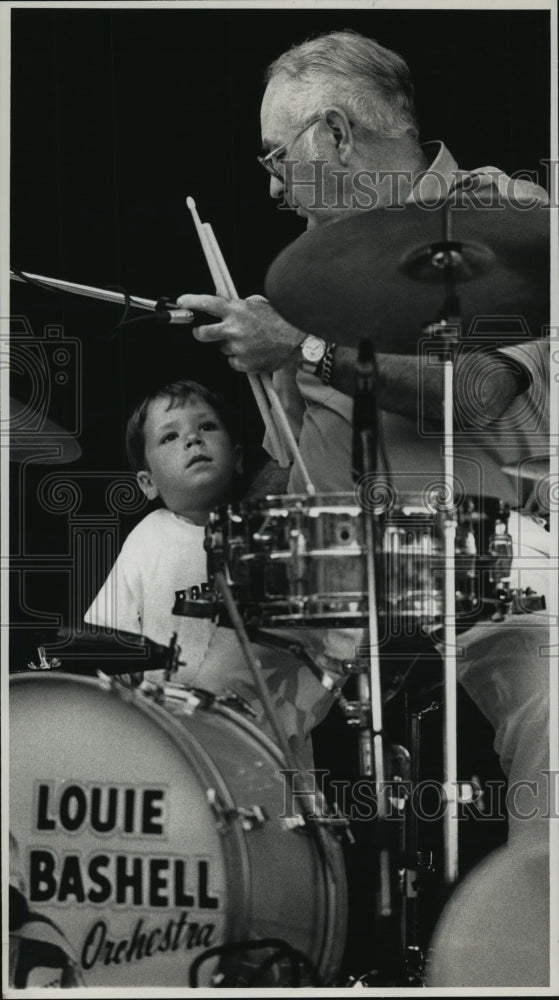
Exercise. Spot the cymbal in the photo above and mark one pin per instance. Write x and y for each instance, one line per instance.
(532, 468)
(33, 435)
(379, 274)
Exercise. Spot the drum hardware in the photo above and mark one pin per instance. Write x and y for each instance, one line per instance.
(197, 602)
(527, 601)
(114, 652)
(44, 663)
(251, 817)
(172, 665)
(282, 951)
(236, 701)
(188, 700)
(369, 720)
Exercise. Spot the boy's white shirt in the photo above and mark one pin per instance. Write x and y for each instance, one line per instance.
(164, 553)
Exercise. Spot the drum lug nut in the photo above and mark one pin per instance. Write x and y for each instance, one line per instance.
(354, 713)
(44, 662)
(251, 818)
(294, 822)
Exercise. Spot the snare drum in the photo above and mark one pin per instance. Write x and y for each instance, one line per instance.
(294, 560)
(151, 833)
(301, 561)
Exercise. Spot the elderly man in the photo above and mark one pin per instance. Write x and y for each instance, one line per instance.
(339, 109)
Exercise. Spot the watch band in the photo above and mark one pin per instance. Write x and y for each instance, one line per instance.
(326, 364)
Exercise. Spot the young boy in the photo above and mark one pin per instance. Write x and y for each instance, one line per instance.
(179, 443)
(182, 452)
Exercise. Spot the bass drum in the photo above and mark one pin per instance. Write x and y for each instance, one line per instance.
(152, 833)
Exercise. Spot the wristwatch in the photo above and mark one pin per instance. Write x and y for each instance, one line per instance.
(313, 350)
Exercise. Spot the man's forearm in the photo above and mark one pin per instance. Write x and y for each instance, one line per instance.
(399, 389)
(408, 385)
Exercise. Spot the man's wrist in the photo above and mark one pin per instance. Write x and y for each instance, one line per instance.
(326, 366)
(313, 350)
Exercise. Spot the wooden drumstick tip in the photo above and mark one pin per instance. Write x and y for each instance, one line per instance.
(191, 204)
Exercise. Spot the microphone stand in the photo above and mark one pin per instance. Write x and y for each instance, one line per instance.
(161, 307)
(371, 736)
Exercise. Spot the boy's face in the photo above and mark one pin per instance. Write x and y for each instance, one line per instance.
(190, 459)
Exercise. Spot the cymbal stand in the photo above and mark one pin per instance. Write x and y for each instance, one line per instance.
(447, 257)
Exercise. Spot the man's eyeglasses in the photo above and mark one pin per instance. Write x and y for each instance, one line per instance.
(272, 163)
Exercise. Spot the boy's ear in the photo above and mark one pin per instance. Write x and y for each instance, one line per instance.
(146, 484)
(238, 451)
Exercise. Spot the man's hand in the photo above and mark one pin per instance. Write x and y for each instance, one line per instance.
(255, 338)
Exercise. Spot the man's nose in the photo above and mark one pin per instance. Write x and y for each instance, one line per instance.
(277, 187)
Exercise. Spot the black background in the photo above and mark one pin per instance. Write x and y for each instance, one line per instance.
(117, 116)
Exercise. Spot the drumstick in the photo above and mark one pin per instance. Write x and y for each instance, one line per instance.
(261, 385)
(278, 412)
(224, 286)
(209, 253)
(283, 422)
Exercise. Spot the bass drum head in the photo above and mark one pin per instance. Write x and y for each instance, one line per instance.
(131, 838)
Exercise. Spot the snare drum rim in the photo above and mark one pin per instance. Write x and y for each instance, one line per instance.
(235, 855)
(286, 503)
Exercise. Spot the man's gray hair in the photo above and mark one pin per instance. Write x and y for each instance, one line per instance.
(344, 67)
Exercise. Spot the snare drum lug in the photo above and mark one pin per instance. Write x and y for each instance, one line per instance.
(355, 713)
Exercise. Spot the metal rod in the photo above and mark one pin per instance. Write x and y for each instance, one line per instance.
(88, 290)
(371, 743)
(450, 776)
(450, 752)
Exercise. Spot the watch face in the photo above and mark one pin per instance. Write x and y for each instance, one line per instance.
(313, 349)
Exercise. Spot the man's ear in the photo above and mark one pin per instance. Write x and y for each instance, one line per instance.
(146, 484)
(339, 125)
(238, 452)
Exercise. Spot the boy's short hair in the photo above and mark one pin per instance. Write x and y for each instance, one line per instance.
(178, 392)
